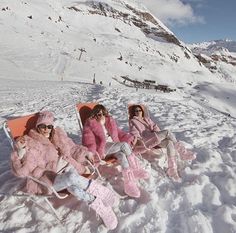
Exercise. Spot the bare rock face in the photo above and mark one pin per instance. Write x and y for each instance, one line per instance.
(214, 55)
(142, 20)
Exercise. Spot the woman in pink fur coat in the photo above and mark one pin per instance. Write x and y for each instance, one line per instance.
(102, 136)
(49, 155)
(149, 136)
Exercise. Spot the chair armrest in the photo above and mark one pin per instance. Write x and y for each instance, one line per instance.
(48, 187)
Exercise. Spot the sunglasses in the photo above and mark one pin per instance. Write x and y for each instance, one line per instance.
(43, 126)
(138, 110)
(100, 114)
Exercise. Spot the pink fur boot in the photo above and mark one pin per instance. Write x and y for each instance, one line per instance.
(184, 153)
(109, 198)
(105, 212)
(172, 171)
(138, 171)
(130, 186)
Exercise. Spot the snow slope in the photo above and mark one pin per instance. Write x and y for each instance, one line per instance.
(44, 39)
(203, 202)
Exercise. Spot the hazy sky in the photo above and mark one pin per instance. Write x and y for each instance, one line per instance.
(196, 20)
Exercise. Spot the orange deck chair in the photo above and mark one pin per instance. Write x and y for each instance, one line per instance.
(83, 112)
(20, 126)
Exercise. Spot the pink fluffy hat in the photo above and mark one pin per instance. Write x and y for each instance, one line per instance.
(45, 117)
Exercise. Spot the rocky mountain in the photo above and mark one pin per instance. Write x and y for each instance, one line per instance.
(218, 56)
(82, 40)
(143, 20)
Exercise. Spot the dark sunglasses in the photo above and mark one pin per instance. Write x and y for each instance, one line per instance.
(99, 114)
(138, 110)
(43, 126)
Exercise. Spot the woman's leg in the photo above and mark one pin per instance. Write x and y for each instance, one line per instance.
(81, 186)
(69, 178)
(122, 151)
(78, 186)
(81, 194)
(169, 145)
(74, 183)
(166, 134)
(179, 147)
(128, 159)
(96, 203)
(172, 163)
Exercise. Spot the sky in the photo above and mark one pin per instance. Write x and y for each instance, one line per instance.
(196, 20)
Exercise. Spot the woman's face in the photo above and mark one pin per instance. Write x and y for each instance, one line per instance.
(45, 130)
(99, 116)
(138, 112)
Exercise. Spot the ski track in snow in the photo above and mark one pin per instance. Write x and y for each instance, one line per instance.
(204, 201)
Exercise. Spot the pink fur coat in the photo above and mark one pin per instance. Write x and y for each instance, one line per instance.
(144, 129)
(42, 156)
(93, 135)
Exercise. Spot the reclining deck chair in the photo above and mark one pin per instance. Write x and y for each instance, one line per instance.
(20, 126)
(83, 112)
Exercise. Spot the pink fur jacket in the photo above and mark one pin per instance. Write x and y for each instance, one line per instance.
(144, 129)
(94, 138)
(42, 156)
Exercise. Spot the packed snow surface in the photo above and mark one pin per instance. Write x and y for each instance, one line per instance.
(203, 202)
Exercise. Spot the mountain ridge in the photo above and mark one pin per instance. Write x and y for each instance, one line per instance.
(77, 40)
(218, 56)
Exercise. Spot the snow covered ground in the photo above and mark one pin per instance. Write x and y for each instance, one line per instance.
(203, 202)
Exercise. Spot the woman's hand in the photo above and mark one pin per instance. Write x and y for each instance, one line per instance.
(59, 151)
(136, 141)
(20, 143)
(133, 143)
(90, 156)
(21, 146)
(139, 142)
